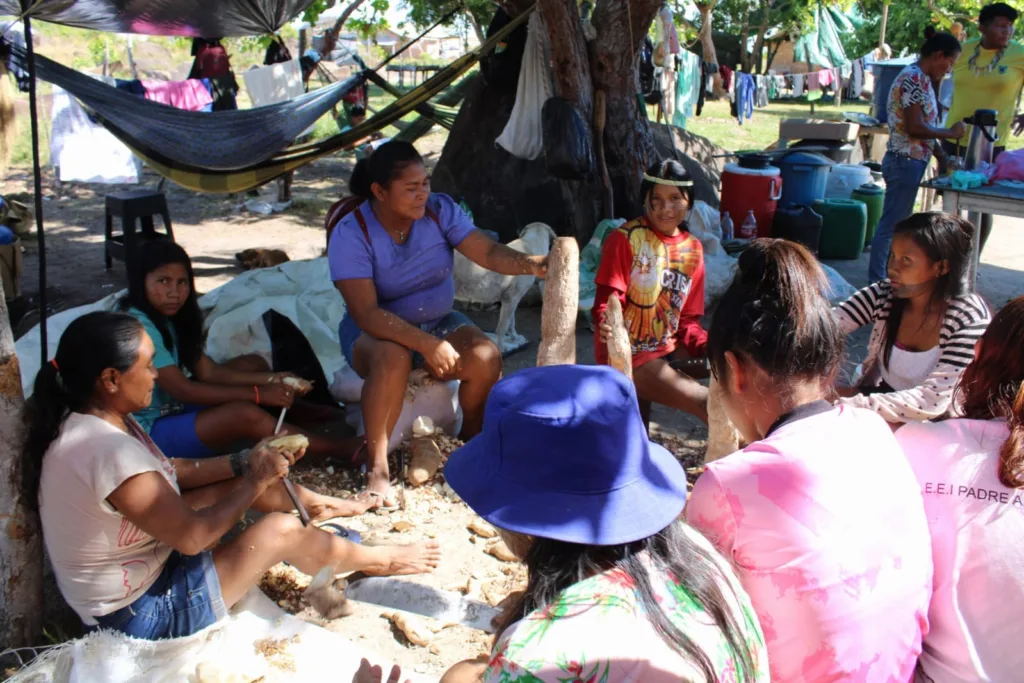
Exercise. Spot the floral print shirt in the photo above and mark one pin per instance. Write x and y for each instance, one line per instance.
(912, 86)
(597, 632)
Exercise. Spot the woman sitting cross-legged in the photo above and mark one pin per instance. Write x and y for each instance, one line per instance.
(130, 532)
(924, 323)
(656, 269)
(971, 471)
(820, 514)
(392, 258)
(619, 588)
(201, 408)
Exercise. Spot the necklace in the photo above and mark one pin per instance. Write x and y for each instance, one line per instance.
(973, 61)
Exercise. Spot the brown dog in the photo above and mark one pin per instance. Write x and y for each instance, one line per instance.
(251, 259)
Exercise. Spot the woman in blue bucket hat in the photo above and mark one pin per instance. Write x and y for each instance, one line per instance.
(619, 587)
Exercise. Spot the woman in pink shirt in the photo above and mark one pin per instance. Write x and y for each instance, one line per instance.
(971, 472)
(821, 515)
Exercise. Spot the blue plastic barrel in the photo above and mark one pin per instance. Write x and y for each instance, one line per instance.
(885, 73)
(804, 177)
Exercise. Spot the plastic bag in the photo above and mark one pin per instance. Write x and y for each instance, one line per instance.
(567, 148)
(1009, 166)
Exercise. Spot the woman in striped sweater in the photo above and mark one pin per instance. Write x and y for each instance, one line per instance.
(925, 324)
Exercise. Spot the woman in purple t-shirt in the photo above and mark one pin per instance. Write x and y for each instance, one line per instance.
(391, 258)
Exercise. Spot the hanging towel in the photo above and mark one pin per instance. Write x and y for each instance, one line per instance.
(745, 90)
(761, 97)
(813, 82)
(275, 83)
(825, 78)
(857, 79)
(688, 88)
(726, 74)
(190, 95)
(83, 150)
(798, 85)
(669, 79)
(523, 136)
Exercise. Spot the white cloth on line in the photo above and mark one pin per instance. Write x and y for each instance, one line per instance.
(523, 135)
(798, 85)
(83, 150)
(275, 83)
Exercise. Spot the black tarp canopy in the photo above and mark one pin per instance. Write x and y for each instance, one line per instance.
(191, 18)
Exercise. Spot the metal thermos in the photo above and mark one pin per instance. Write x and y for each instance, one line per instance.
(983, 138)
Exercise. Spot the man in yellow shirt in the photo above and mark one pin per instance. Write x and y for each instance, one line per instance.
(989, 76)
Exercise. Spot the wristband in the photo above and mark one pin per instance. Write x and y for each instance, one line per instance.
(239, 462)
(257, 390)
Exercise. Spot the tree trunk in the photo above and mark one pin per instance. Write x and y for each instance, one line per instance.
(744, 41)
(885, 20)
(477, 28)
(21, 547)
(506, 193)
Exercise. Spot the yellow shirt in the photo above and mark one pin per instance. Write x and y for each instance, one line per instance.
(997, 89)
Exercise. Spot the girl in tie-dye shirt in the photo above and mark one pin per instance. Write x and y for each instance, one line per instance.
(821, 514)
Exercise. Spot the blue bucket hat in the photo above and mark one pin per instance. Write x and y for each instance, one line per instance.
(564, 455)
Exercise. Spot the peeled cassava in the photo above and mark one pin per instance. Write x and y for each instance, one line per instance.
(293, 443)
(301, 386)
(620, 353)
(424, 461)
(561, 305)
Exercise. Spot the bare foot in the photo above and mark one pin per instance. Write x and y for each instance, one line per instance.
(328, 507)
(417, 558)
(379, 492)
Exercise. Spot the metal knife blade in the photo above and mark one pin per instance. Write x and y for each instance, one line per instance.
(445, 606)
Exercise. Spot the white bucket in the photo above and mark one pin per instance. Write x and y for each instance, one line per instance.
(843, 179)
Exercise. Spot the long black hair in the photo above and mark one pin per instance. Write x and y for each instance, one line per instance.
(775, 314)
(89, 345)
(940, 42)
(187, 322)
(942, 237)
(553, 566)
(384, 165)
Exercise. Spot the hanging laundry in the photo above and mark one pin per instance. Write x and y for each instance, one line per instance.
(14, 33)
(523, 135)
(667, 78)
(688, 88)
(798, 85)
(223, 89)
(211, 59)
(726, 74)
(135, 87)
(705, 86)
(825, 78)
(273, 84)
(856, 80)
(761, 92)
(666, 30)
(813, 82)
(83, 150)
(190, 95)
(745, 90)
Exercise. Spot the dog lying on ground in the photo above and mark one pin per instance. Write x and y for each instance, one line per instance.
(251, 259)
(476, 285)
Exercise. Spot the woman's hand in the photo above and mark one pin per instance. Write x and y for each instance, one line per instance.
(604, 331)
(276, 395)
(267, 465)
(540, 266)
(442, 360)
(374, 674)
(957, 130)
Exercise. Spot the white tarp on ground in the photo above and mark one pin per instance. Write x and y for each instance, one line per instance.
(301, 291)
(293, 650)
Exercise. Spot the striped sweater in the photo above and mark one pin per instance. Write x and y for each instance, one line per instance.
(966, 318)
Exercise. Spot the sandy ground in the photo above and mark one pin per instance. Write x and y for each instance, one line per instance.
(213, 229)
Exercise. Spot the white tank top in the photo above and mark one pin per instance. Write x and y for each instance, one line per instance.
(907, 369)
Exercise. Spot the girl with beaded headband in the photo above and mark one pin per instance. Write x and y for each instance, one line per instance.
(656, 269)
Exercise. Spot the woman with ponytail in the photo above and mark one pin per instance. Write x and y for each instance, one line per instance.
(971, 471)
(821, 513)
(128, 530)
(391, 256)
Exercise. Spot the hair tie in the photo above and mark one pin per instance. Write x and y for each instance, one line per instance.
(54, 364)
(666, 181)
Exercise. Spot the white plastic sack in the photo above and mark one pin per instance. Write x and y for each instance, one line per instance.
(223, 652)
(85, 151)
(523, 135)
(437, 400)
(705, 224)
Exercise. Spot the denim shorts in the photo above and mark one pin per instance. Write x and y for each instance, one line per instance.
(183, 600)
(176, 437)
(349, 332)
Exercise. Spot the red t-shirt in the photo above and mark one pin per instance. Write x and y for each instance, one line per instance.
(660, 282)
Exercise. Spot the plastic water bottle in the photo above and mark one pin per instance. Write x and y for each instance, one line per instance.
(727, 228)
(748, 230)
